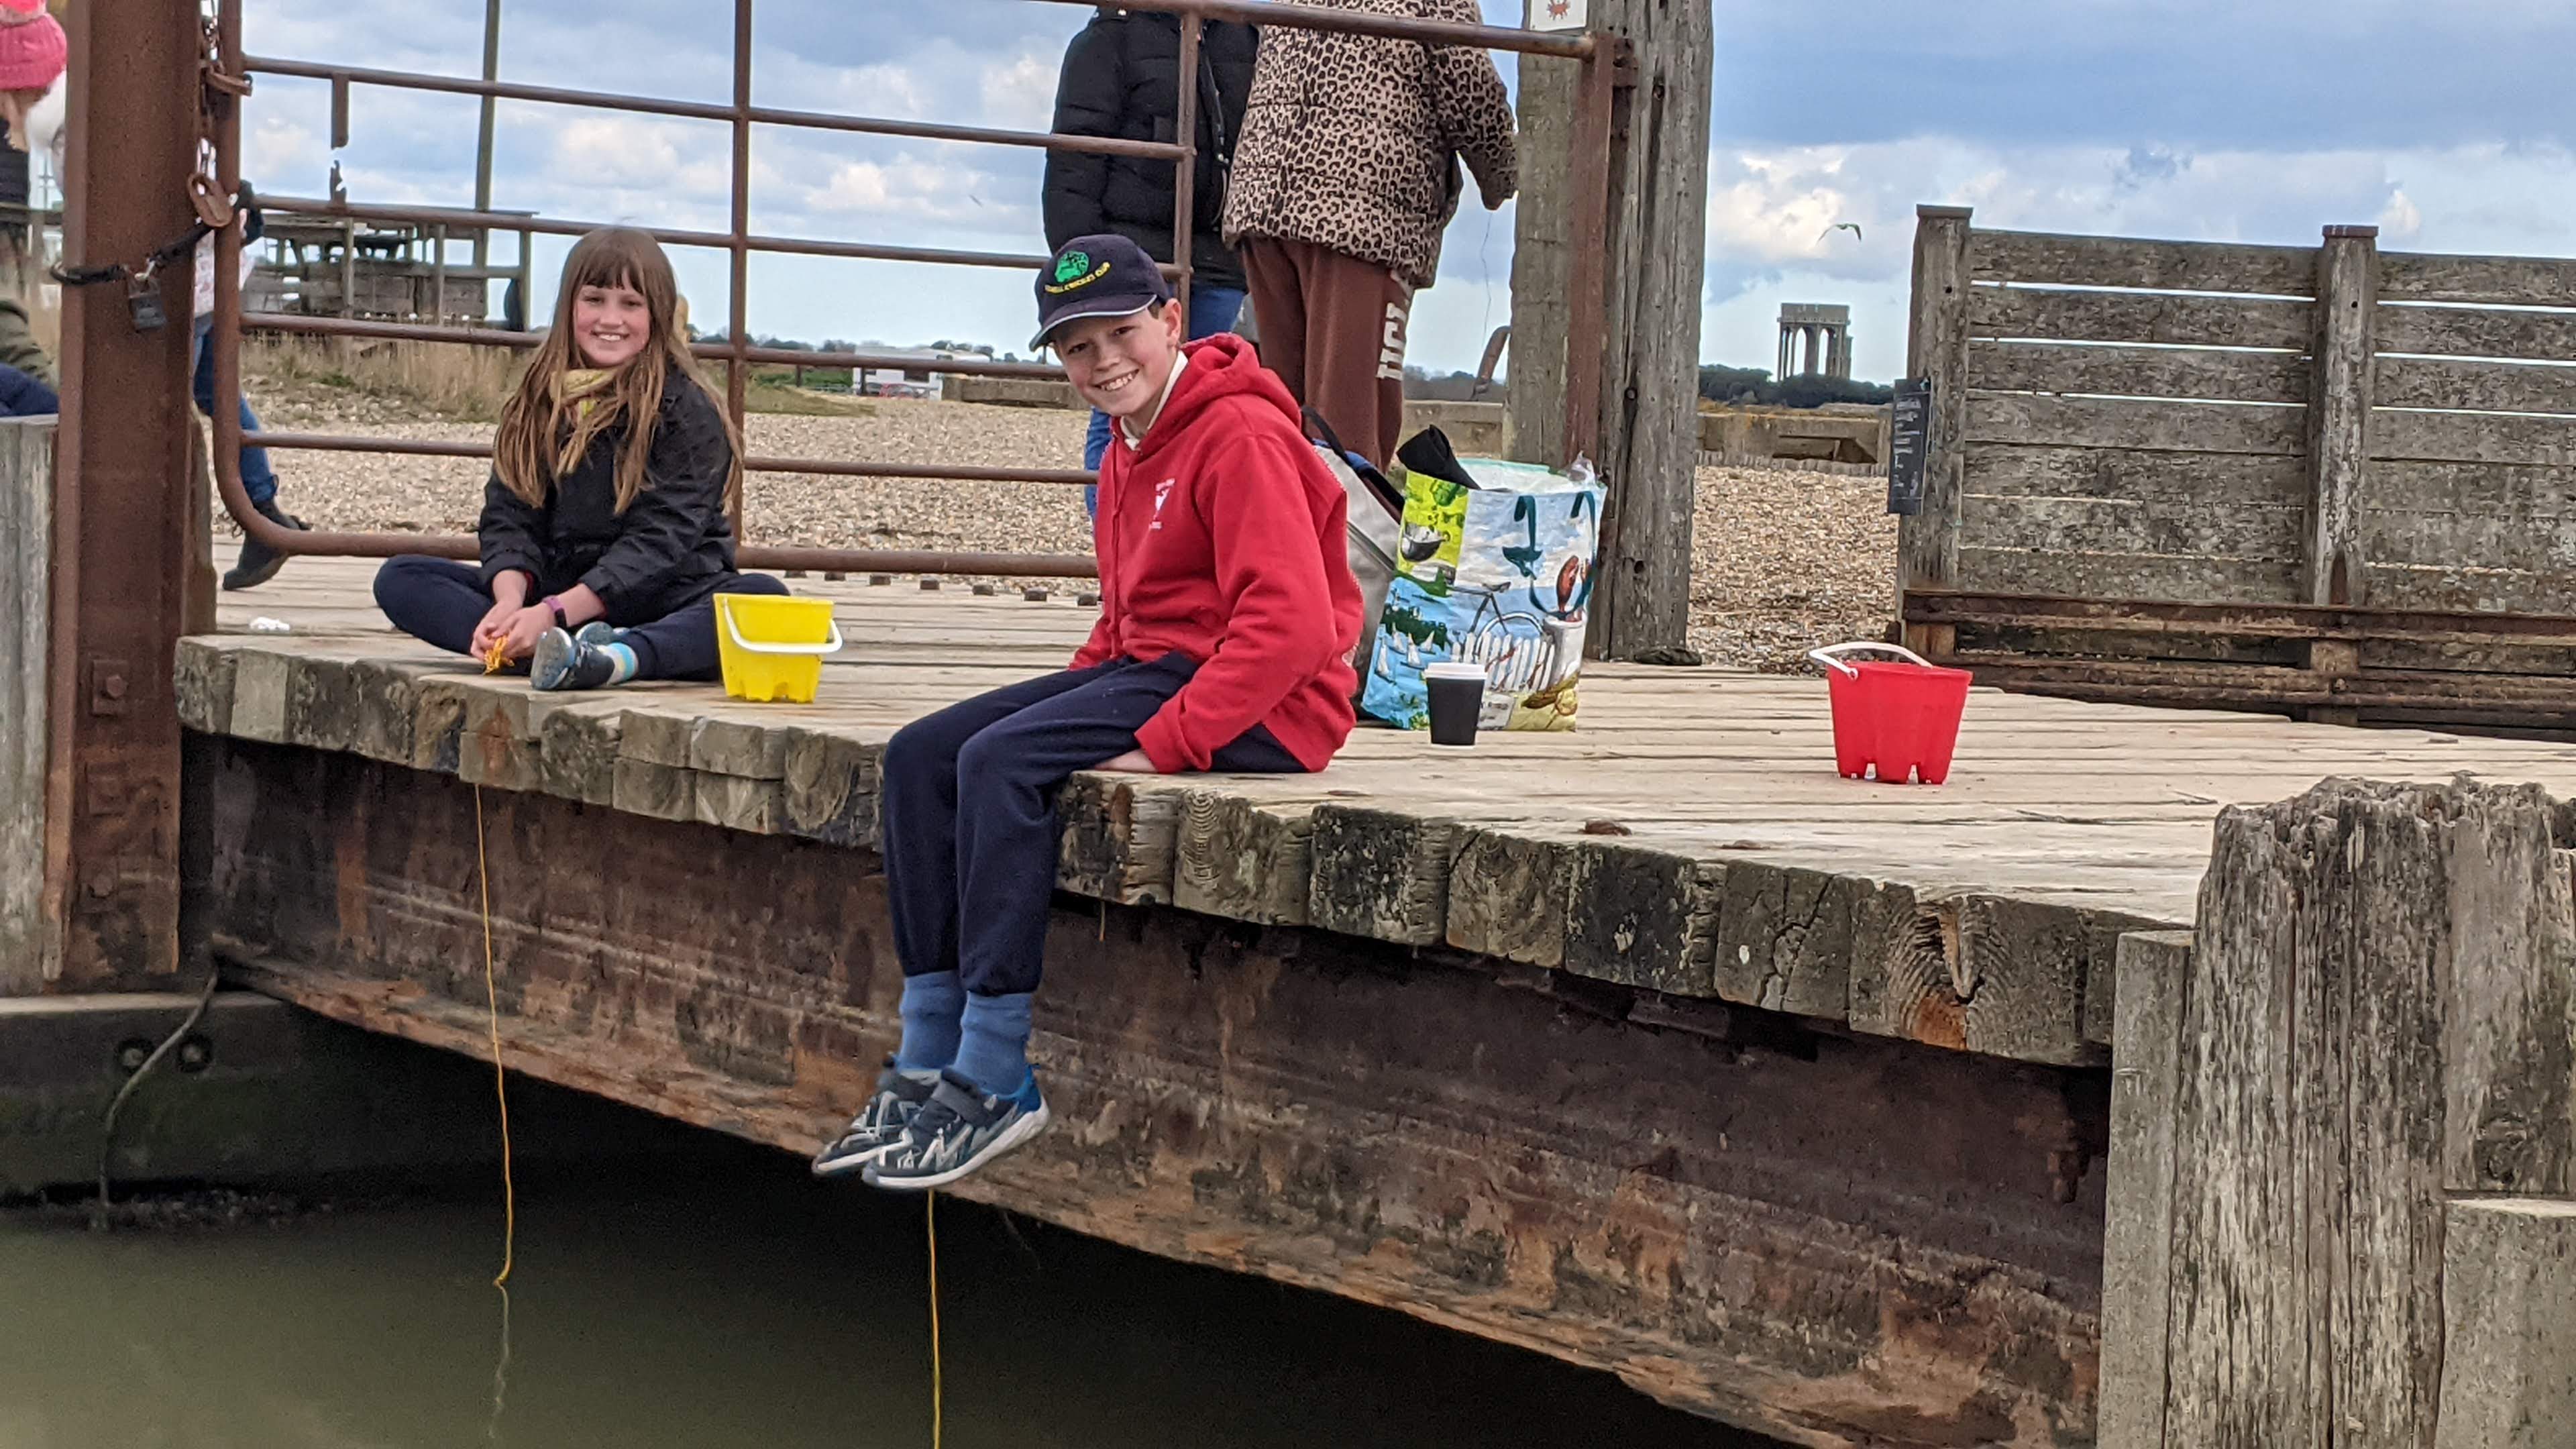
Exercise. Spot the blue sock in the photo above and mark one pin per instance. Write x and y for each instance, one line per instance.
(623, 656)
(931, 1004)
(994, 1050)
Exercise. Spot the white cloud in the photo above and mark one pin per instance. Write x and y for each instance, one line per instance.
(2400, 220)
(1019, 94)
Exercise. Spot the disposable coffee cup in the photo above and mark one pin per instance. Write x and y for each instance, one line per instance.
(1457, 700)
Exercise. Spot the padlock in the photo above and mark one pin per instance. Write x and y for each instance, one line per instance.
(143, 303)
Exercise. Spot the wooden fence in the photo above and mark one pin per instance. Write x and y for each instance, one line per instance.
(2342, 1179)
(2345, 479)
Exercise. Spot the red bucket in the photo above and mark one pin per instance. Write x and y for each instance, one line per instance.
(1901, 718)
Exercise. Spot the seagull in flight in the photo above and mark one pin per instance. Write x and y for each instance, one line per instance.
(1850, 226)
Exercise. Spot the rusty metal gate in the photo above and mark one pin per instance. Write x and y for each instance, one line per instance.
(229, 71)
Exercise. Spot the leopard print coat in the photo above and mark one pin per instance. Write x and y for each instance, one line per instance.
(1352, 142)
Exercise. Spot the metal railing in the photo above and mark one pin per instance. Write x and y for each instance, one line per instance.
(737, 350)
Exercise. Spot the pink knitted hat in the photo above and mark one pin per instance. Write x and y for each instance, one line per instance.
(32, 49)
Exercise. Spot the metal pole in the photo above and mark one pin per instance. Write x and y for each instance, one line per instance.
(737, 371)
(1185, 171)
(483, 136)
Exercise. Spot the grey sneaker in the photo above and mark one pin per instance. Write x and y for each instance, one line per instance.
(957, 1132)
(879, 1126)
(571, 661)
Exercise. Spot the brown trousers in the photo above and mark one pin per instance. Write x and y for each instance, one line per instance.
(1333, 328)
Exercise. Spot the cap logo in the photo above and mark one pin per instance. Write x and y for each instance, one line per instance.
(1074, 271)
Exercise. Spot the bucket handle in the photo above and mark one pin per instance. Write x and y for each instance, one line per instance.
(1830, 657)
(828, 646)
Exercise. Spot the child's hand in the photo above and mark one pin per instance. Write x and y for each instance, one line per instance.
(494, 623)
(521, 631)
(1134, 762)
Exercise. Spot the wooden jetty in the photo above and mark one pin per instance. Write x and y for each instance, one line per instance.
(1655, 1046)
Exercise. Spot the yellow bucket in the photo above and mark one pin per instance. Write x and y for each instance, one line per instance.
(773, 645)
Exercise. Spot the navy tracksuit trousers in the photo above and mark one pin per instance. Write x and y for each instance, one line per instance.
(967, 810)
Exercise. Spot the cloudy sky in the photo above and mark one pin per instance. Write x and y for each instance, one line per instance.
(2450, 123)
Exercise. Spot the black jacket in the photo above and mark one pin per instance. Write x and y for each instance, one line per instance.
(1120, 80)
(673, 547)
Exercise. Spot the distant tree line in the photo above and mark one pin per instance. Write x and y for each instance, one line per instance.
(1755, 385)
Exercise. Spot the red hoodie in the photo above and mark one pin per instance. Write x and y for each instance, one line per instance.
(1221, 537)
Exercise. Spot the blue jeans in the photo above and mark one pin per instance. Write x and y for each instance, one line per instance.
(258, 479)
(1212, 310)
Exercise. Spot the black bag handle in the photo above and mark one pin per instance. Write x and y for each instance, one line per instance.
(1380, 487)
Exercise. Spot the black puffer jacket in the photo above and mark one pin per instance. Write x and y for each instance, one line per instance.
(672, 547)
(1120, 80)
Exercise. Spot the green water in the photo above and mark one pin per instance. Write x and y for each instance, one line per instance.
(723, 1298)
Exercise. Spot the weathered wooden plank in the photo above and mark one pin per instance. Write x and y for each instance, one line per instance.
(28, 940)
(2339, 414)
(735, 802)
(1904, 969)
(2503, 281)
(261, 681)
(831, 783)
(2377, 1015)
(1381, 874)
(2171, 319)
(2090, 422)
(2474, 385)
(2216, 527)
(2500, 438)
(1936, 350)
(642, 787)
(203, 685)
(1644, 916)
(2108, 261)
(577, 752)
(2508, 1324)
(2468, 587)
(2115, 371)
(2022, 965)
(2137, 1241)
(2477, 332)
(1509, 891)
(1244, 859)
(1784, 938)
(1119, 833)
(749, 749)
(2515, 494)
(2134, 476)
(2172, 578)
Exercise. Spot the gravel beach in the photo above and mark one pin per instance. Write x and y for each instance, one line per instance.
(1783, 560)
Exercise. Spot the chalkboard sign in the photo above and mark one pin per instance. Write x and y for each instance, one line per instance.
(1909, 444)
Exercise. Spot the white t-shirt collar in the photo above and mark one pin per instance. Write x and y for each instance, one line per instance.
(1135, 438)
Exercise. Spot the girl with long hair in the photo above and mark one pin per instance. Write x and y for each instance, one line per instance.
(607, 524)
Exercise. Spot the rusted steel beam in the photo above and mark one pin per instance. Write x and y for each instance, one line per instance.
(1832, 1240)
(120, 508)
(289, 322)
(342, 76)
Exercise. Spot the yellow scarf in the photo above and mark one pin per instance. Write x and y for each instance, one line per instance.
(578, 386)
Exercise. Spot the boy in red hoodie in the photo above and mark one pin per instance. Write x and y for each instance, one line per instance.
(1227, 615)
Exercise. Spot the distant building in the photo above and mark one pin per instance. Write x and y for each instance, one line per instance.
(1826, 331)
(907, 380)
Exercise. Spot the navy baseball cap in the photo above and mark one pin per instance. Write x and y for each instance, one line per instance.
(1096, 276)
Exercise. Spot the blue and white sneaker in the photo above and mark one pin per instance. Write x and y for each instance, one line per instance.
(573, 660)
(957, 1132)
(878, 1128)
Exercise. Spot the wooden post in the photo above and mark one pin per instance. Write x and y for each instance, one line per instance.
(1936, 349)
(29, 940)
(2153, 968)
(2339, 412)
(1650, 256)
(2509, 1324)
(2374, 1029)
